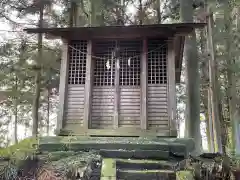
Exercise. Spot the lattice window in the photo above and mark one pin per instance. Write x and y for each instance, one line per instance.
(130, 63)
(157, 62)
(77, 62)
(104, 71)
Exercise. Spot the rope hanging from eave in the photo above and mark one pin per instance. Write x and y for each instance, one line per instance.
(115, 58)
(107, 59)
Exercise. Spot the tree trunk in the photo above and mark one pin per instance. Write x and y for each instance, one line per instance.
(231, 93)
(214, 87)
(186, 114)
(48, 110)
(140, 12)
(16, 113)
(210, 123)
(92, 18)
(193, 87)
(37, 79)
(72, 13)
(205, 91)
(26, 127)
(237, 113)
(159, 18)
(15, 122)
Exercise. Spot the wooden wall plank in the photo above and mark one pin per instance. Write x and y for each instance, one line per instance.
(144, 86)
(88, 86)
(130, 106)
(74, 108)
(102, 106)
(171, 85)
(63, 85)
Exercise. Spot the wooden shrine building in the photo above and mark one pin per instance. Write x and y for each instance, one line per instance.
(120, 80)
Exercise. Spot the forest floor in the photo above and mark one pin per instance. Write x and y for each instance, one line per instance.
(23, 162)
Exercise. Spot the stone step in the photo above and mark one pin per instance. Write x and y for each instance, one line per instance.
(179, 147)
(134, 154)
(146, 175)
(145, 165)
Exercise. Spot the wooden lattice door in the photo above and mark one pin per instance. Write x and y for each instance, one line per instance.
(74, 108)
(102, 92)
(157, 84)
(116, 87)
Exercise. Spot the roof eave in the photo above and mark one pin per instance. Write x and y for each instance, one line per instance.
(109, 31)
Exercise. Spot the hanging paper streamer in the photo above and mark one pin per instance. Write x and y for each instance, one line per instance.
(129, 61)
(108, 65)
(118, 65)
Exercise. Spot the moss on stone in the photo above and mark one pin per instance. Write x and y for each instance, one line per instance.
(21, 150)
(145, 161)
(144, 171)
(108, 168)
(55, 156)
(184, 175)
(14, 157)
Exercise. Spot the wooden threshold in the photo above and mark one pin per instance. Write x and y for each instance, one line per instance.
(121, 131)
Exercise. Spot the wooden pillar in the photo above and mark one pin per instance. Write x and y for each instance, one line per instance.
(171, 87)
(116, 94)
(63, 85)
(88, 87)
(144, 85)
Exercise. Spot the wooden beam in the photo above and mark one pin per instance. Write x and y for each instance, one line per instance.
(171, 85)
(116, 94)
(144, 85)
(88, 87)
(63, 85)
(77, 129)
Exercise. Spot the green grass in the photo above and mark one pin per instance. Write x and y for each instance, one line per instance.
(21, 150)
